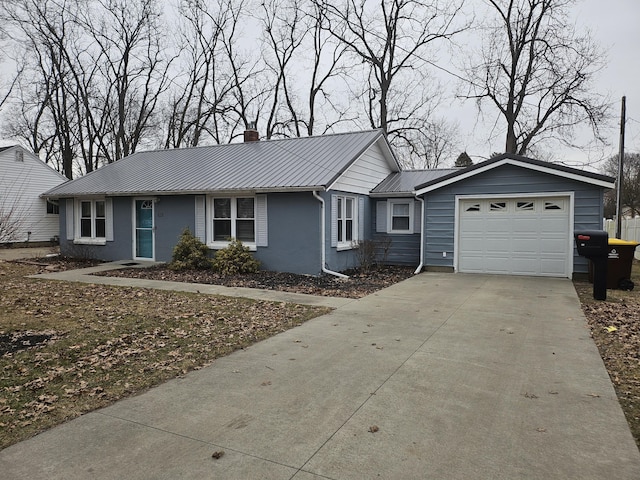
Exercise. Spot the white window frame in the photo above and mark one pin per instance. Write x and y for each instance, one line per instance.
(343, 243)
(216, 245)
(93, 239)
(390, 215)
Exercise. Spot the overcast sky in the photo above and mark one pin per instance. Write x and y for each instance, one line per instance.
(615, 25)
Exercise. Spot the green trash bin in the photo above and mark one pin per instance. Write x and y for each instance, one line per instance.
(619, 263)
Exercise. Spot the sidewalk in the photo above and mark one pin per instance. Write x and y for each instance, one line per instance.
(84, 275)
(443, 376)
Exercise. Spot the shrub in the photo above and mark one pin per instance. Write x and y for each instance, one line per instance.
(190, 253)
(235, 258)
(371, 253)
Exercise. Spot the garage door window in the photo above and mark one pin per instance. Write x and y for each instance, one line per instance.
(474, 207)
(525, 206)
(498, 206)
(553, 206)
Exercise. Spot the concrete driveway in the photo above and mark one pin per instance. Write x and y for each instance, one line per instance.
(443, 376)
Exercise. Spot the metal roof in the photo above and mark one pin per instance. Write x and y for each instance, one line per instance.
(519, 160)
(404, 183)
(303, 163)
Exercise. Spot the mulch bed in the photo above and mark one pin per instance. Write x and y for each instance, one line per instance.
(359, 284)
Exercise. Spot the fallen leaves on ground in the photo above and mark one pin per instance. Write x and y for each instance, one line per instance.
(68, 348)
(615, 328)
(359, 284)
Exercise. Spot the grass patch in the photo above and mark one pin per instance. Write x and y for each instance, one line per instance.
(68, 348)
(615, 328)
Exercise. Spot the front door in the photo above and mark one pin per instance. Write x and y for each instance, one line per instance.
(144, 229)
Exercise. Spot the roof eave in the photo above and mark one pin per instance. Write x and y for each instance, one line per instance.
(392, 194)
(576, 175)
(229, 191)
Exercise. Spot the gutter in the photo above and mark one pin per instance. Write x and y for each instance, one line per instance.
(422, 222)
(323, 238)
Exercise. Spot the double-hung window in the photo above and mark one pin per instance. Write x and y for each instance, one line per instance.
(233, 217)
(400, 212)
(92, 220)
(346, 221)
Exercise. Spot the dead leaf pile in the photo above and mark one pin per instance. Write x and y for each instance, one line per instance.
(359, 284)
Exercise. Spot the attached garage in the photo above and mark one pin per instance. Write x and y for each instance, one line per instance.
(510, 215)
(514, 235)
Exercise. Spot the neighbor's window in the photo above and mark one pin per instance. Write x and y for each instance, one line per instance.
(346, 220)
(234, 217)
(92, 219)
(53, 208)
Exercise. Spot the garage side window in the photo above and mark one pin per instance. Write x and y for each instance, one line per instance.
(400, 213)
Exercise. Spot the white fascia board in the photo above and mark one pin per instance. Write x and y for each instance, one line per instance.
(250, 191)
(517, 163)
(388, 154)
(393, 195)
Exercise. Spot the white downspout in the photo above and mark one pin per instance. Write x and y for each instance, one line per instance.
(422, 222)
(323, 238)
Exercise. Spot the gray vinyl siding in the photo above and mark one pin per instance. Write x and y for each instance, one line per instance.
(118, 249)
(440, 206)
(403, 249)
(172, 216)
(293, 234)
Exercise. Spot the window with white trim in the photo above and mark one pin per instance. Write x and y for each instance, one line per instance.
(233, 217)
(91, 220)
(400, 218)
(347, 218)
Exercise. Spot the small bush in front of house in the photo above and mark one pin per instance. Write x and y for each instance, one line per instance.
(234, 259)
(190, 253)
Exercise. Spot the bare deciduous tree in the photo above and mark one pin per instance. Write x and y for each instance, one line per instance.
(130, 57)
(390, 40)
(535, 69)
(199, 94)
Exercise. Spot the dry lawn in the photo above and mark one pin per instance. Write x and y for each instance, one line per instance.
(67, 349)
(615, 328)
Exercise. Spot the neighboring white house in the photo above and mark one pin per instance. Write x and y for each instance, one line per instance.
(24, 215)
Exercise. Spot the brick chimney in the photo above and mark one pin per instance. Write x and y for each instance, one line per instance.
(251, 133)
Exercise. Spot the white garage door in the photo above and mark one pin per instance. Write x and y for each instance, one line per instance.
(515, 236)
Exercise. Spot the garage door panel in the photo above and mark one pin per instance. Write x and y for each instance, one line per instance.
(519, 236)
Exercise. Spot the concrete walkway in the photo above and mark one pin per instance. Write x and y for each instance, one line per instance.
(442, 376)
(85, 275)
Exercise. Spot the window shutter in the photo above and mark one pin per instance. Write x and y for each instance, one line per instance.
(108, 205)
(360, 219)
(334, 220)
(381, 217)
(262, 224)
(70, 218)
(201, 221)
(417, 216)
